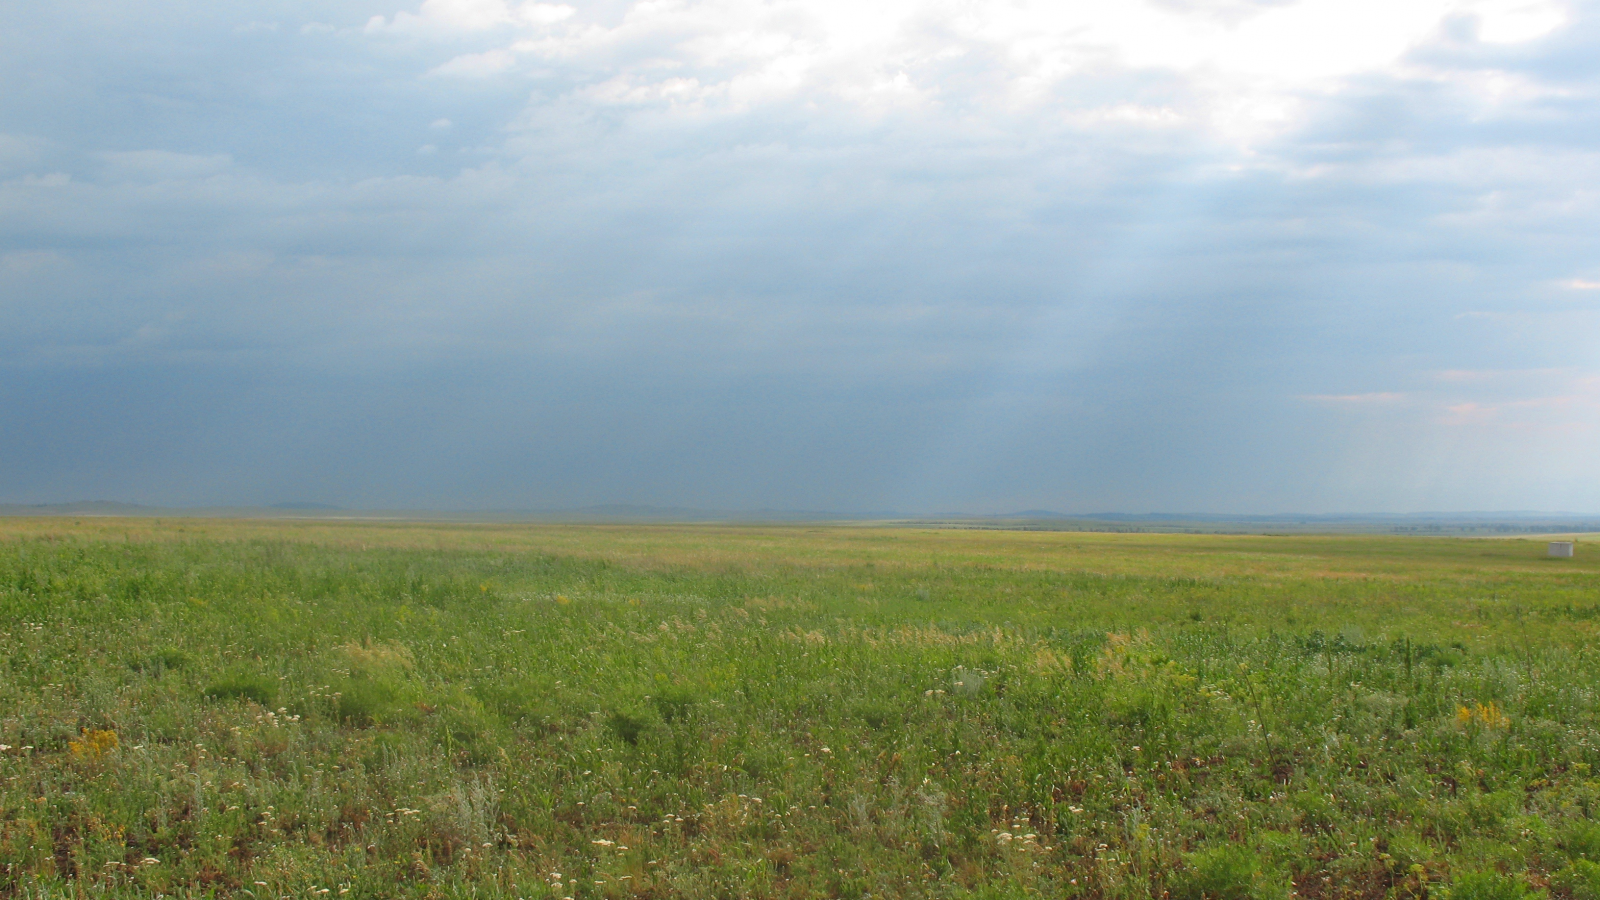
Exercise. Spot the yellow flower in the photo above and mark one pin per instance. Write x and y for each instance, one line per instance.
(94, 744)
(1488, 715)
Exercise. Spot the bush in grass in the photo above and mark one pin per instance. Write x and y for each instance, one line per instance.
(1580, 881)
(1226, 872)
(965, 682)
(466, 728)
(1488, 886)
(375, 688)
(523, 700)
(1581, 840)
(627, 727)
(675, 703)
(364, 701)
(244, 686)
(876, 714)
(161, 661)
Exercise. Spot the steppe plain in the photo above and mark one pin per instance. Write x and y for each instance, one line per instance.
(375, 709)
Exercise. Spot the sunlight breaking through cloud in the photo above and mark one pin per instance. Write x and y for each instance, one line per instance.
(1200, 254)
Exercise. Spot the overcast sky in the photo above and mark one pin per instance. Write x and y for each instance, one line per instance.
(1169, 255)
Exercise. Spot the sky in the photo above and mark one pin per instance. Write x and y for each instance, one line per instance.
(1228, 256)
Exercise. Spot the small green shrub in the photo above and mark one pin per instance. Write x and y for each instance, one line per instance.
(386, 749)
(161, 661)
(965, 682)
(244, 686)
(876, 714)
(521, 700)
(465, 727)
(365, 701)
(674, 704)
(1580, 881)
(627, 727)
(1226, 872)
(1581, 840)
(374, 691)
(1488, 886)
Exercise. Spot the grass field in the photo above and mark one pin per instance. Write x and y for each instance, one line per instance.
(318, 709)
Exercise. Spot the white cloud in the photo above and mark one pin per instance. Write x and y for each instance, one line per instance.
(1514, 21)
(478, 65)
(1244, 68)
(544, 13)
(447, 16)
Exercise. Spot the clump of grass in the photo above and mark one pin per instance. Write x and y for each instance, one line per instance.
(876, 714)
(675, 703)
(370, 681)
(1488, 885)
(1580, 880)
(1228, 872)
(465, 727)
(251, 686)
(167, 659)
(627, 727)
(524, 700)
(967, 682)
(1581, 840)
(363, 701)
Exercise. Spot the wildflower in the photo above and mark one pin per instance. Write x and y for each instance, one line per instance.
(1486, 714)
(150, 861)
(94, 744)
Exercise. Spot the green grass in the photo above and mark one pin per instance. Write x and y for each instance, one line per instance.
(278, 709)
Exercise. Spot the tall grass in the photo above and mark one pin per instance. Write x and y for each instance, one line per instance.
(247, 709)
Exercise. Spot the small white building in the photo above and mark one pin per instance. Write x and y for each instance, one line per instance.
(1561, 548)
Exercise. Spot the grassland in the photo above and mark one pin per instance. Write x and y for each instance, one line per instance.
(231, 708)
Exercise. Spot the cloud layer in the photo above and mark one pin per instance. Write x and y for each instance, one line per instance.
(1179, 255)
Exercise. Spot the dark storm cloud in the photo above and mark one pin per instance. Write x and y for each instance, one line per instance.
(482, 255)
